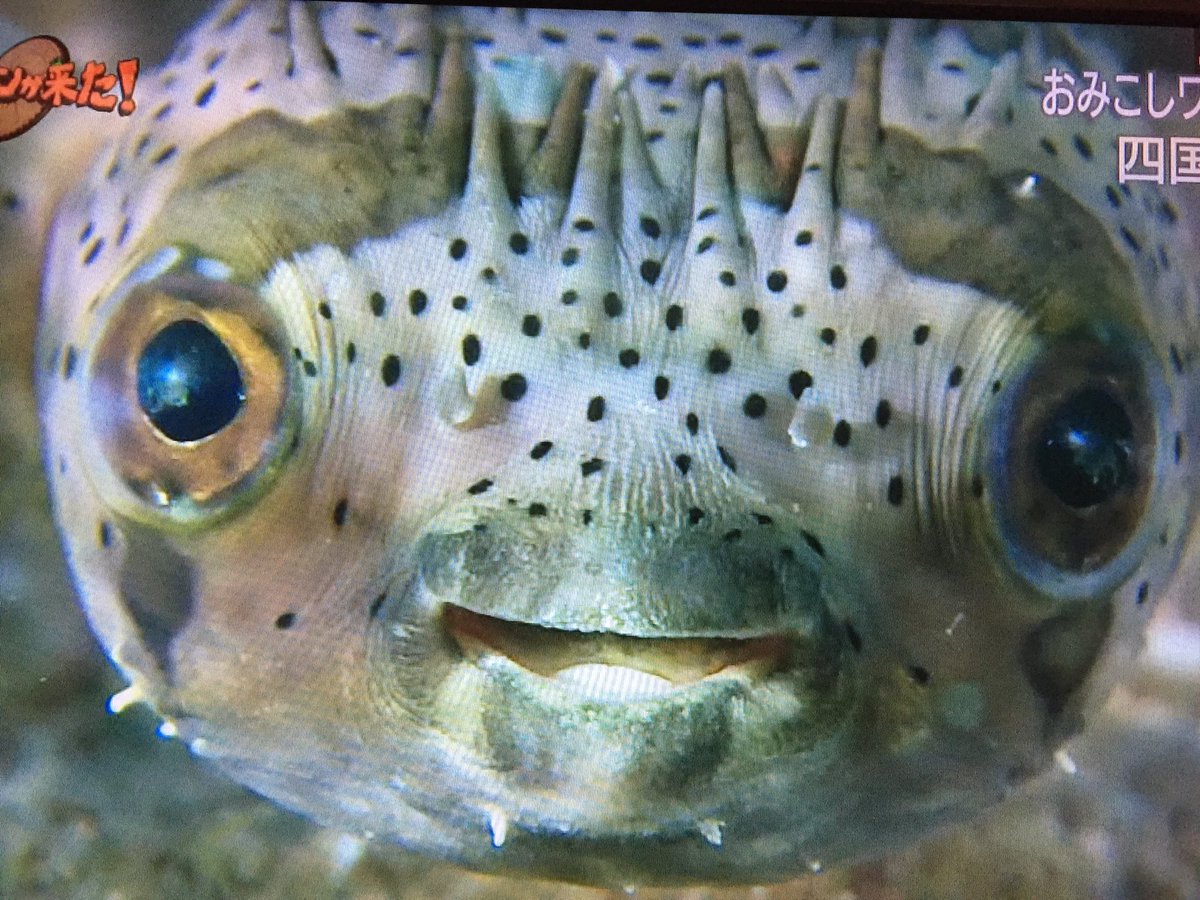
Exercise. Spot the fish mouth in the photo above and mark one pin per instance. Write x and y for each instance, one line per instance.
(611, 666)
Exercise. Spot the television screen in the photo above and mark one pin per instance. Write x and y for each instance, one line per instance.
(576, 453)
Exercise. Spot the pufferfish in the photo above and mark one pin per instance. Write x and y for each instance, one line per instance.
(629, 448)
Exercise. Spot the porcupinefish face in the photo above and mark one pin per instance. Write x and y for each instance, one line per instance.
(626, 448)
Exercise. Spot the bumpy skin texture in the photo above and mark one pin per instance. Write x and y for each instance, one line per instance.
(634, 481)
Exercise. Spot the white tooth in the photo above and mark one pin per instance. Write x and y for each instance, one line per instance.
(498, 825)
(1064, 761)
(710, 829)
(213, 269)
(168, 729)
(617, 684)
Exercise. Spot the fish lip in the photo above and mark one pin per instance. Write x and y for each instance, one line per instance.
(682, 660)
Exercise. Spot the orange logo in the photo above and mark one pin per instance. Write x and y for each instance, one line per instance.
(37, 75)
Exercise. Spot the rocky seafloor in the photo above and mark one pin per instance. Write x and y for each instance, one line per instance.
(94, 805)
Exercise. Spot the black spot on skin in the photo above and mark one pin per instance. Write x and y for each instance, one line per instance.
(536, 510)
(750, 320)
(459, 302)
(969, 106)
(70, 357)
(828, 336)
(837, 278)
(726, 458)
(763, 519)
(553, 36)
(729, 39)
(480, 486)
(324, 311)
(1082, 147)
(531, 326)
(93, 251)
(719, 361)
(378, 303)
(662, 386)
(649, 224)
(976, 486)
(584, 225)
(1134, 244)
(488, 274)
(841, 433)
(895, 490)
(595, 409)
(807, 65)
(755, 406)
(205, 94)
(695, 514)
(104, 534)
(518, 243)
(591, 466)
(674, 316)
(883, 413)
(390, 370)
(163, 155)
(692, 421)
(1114, 199)
(376, 605)
(646, 42)
(570, 256)
(157, 586)
(310, 368)
(804, 238)
(513, 387)
(613, 306)
(417, 301)
(798, 382)
(868, 351)
(776, 281)
(458, 248)
(470, 349)
(540, 449)
(585, 340)
(1178, 447)
(351, 352)
(587, 517)
(853, 637)
(956, 377)
(1143, 593)
(569, 297)
(628, 358)
(732, 535)
(285, 621)
(920, 334)
(1176, 359)
(919, 674)
(762, 51)
(339, 512)
(727, 278)
(683, 463)
(814, 544)
(694, 41)
(705, 244)
(659, 79)
(650, 270)
(707, 213)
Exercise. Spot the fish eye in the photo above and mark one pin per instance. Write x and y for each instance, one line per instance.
(188, 393)
(1084, 456)
(188, 383)
(1072, 465)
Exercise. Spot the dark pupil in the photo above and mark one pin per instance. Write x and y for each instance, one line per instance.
(1084, 453)
(188, 383)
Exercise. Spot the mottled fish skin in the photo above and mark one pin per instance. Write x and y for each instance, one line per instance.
(706, 352)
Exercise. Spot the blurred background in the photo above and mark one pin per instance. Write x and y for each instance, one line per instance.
(94, 805)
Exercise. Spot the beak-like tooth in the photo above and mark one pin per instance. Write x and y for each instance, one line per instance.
(617, 684)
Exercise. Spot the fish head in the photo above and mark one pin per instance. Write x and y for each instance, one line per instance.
(476, 436)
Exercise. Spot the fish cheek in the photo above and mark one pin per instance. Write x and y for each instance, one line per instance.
(157, 585)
